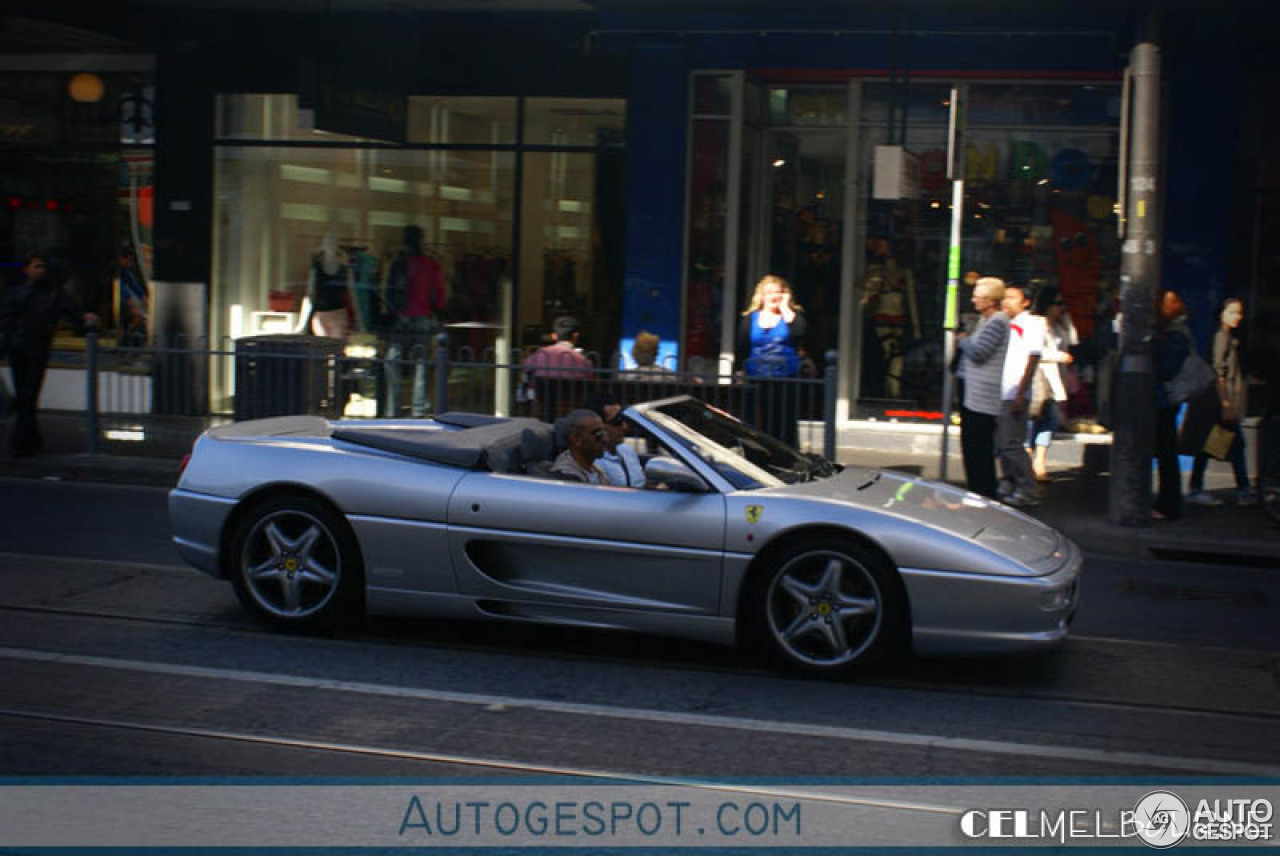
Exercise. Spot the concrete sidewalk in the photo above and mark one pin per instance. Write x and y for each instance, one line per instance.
(1074, 501)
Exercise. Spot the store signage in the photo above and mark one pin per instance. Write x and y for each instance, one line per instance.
(362, 112)
(897, 174)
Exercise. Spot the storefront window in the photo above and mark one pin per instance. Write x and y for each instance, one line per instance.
(76, 183)
(1039, 211)
(905, 239)
(292, 221)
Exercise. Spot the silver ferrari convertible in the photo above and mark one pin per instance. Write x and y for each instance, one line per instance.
(734, 538)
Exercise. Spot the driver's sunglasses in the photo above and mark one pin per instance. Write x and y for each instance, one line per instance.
(617, 421)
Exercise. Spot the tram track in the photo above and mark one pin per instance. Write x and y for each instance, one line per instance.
(968, 690)
(366, 694)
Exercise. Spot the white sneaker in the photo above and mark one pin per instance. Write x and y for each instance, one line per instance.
(1199, 497)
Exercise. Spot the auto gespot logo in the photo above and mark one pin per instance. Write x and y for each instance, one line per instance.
(1161, 819)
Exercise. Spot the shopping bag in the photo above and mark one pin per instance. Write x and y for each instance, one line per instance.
(1218, 443)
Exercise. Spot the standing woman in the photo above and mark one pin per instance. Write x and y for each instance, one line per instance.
(770, 341)
(1232, 406)
(1048, 389)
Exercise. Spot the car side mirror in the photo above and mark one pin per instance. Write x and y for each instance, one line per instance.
(674, 474)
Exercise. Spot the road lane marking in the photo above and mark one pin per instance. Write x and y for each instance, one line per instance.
(493, 763)
(1205, 766)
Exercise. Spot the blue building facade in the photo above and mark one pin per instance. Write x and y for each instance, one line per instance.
(805, 100)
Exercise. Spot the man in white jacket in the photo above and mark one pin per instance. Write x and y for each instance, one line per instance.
(1026, 341)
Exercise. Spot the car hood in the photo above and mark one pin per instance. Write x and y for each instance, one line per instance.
(942, 507)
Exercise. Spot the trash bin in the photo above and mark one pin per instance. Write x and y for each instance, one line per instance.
(283, 375)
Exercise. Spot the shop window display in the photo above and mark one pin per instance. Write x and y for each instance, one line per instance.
(1039, 210)
(384, 247)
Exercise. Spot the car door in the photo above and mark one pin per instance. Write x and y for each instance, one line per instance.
(519, 538)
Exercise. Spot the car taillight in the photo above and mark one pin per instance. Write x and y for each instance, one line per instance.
(186, 459)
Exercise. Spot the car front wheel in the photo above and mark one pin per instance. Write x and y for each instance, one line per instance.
(296, 563)
(827, 606)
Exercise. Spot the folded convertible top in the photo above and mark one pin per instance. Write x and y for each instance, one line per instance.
(503, 447)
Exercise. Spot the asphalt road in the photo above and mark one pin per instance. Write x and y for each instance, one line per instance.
(117, 660)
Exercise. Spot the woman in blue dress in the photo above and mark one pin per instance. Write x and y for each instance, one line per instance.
(770, 351)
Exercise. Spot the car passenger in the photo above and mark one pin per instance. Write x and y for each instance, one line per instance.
(586, 436)
(619, 461)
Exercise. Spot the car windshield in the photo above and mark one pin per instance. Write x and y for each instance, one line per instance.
(749, 459)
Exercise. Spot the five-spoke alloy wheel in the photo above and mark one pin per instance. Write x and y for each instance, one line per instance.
(827, 605)
(296, 563)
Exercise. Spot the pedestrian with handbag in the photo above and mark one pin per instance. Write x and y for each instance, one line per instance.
(1220, 413)
(1048, 391)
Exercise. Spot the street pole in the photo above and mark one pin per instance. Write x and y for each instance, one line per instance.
(1129, 500)
(955, 171)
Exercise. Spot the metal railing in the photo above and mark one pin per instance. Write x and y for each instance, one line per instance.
(160, 394)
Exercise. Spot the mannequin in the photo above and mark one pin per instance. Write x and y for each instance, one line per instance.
(331, 288)
(889, 296)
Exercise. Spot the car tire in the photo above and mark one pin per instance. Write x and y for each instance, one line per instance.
(826, 606)
(295, 564)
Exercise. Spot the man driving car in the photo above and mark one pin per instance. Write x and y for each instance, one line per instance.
(586, 436)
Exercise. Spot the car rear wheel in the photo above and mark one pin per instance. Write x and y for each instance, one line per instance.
(296, 563)
(827, 606)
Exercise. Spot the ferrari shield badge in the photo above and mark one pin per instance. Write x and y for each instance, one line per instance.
(754, 512)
